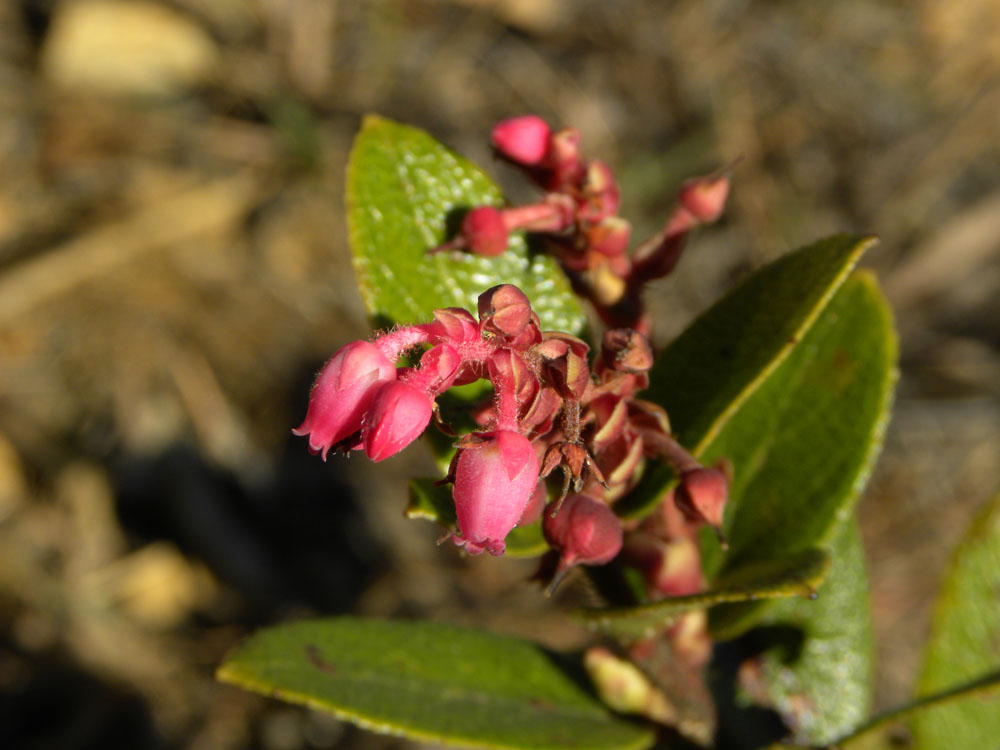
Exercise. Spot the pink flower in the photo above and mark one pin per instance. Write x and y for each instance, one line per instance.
(343, 390)
(524, 139)
(494, 480)
(585, 530)
(536, 504)
(398, 414)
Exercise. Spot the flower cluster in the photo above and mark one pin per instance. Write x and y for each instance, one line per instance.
(579, 222)
(550, 409)
(555, 405)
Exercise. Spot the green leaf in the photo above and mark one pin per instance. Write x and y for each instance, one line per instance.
(964, 643)
(822, 684)
(431, 682)
(404, 191)
(706, 375)
(802, 447)
(875, 733)
(527, 541)
(431, 501)
(799, 575)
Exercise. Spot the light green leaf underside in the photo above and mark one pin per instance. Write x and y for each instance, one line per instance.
(823, 688)
(431, 682)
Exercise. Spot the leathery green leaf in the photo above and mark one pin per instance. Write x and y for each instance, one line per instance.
(405, 194)
(706, 375)
(799, 575)
(802, 446)
(964, 644)
(431, 682)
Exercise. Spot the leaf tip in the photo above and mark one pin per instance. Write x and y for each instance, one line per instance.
(372, 120)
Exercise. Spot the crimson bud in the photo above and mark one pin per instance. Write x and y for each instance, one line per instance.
(585, 530)
(701, 495)
(399, 413)
(485, 231)
(342, 393)
(521, 139)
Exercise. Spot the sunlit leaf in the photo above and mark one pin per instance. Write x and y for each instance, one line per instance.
(432, 682)
(405, 195)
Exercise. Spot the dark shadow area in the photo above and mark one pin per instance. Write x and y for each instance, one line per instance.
(61, 707)
(743, 726)
(295, 539)
(453, 221)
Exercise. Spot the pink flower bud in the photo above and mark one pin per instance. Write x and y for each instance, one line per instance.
(585, 531)
(705, 197)
(438, 368)
(342, 393)
(494, 480)
(564, 359)
(625, 350)
(484, 231)
(456, 325)
(566, 169)
(702, 494)
(601, 195)
(609, 237)
(514, 382)
(399, 413)
(521, 139)
(505, 310)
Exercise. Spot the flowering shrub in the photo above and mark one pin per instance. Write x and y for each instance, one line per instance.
(705, 490)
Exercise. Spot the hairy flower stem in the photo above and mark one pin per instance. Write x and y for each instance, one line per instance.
(396, 343)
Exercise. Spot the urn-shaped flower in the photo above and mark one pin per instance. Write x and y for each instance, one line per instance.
(342, 393)
(494, 480)
(398, 415)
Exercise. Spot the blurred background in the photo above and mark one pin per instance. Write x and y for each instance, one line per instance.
(174, 268)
